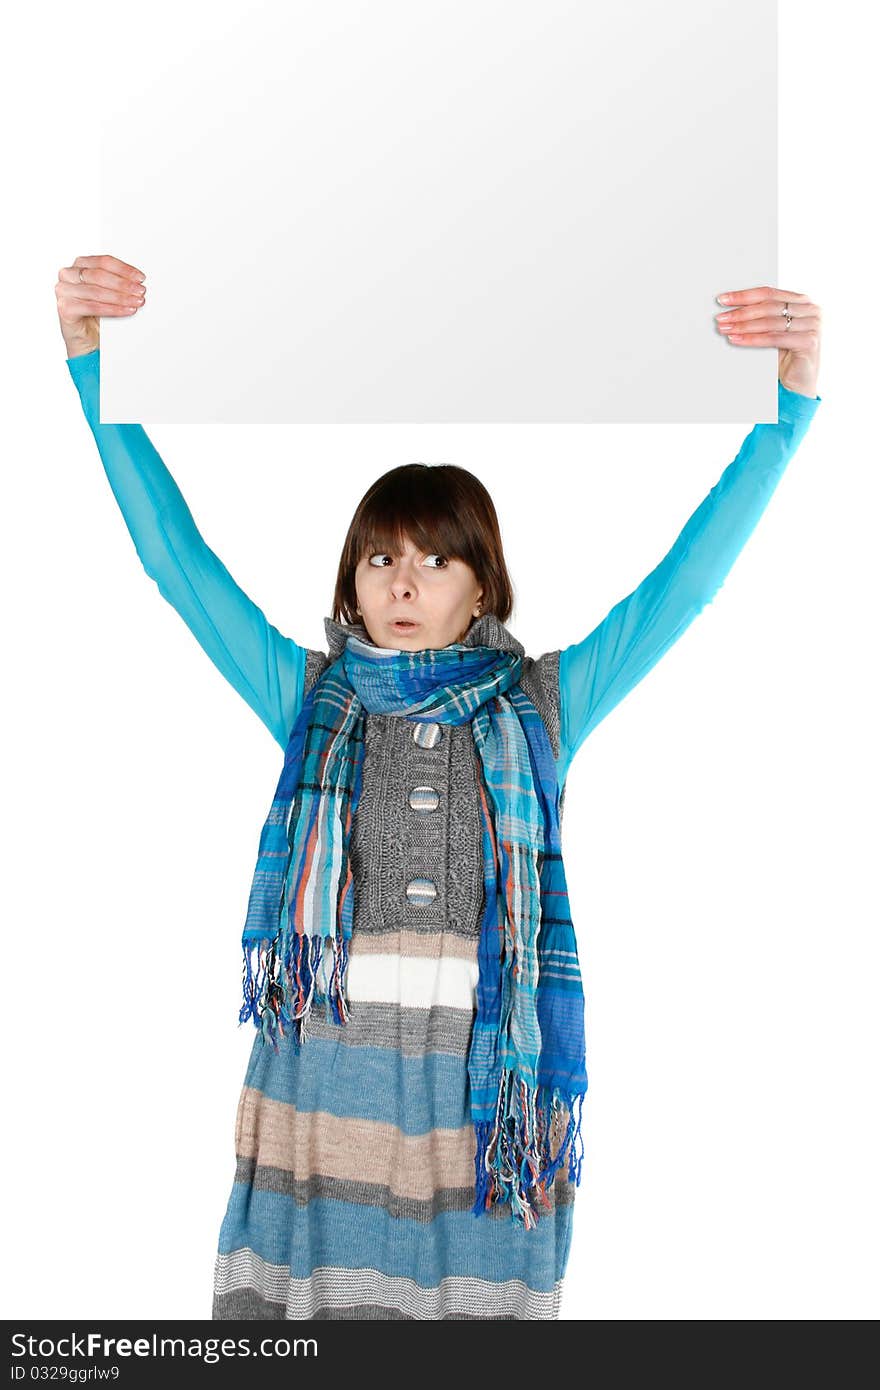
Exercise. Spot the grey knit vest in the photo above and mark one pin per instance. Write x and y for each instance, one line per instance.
(418, 819)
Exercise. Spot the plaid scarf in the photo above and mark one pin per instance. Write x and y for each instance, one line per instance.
(526, 1061)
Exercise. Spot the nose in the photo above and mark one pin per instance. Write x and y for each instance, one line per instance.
(402, 584)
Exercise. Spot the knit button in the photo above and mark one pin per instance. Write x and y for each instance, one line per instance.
(421, 891)
(424, 799)
(427, 735)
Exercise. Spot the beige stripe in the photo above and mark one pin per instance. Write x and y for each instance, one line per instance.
(413, 943)
(277, 1135)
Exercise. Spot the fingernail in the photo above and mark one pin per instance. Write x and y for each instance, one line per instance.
(723, 298)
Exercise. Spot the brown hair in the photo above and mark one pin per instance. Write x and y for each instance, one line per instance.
(444, 510)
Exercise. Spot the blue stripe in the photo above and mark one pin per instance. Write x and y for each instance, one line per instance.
(353, 1236)
(372, 1083)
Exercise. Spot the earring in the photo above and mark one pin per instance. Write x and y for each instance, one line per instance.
(479, 607)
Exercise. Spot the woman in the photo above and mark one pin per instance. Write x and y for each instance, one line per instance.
(408, 1136)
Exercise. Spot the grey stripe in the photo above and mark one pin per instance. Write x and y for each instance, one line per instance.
(412, 1032)
(380, 1195)
(247, 1286)
(412, 923)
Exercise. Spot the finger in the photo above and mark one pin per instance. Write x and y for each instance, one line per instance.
(96, 278)
(805, 341)
(750, 317)
(80, 293)
(111, 263)
(70, 311)
(100, 311)
(754, 296)
(774, 323)
(77, 301)
(765, 308)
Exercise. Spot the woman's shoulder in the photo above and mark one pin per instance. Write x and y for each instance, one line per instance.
(316, 664)
(540, 681)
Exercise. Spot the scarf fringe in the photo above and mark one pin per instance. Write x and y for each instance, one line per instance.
(513, 1161)
(280, 984)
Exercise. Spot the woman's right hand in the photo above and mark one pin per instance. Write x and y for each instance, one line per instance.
(93, 288)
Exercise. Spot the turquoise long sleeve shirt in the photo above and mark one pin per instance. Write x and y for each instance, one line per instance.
(267, 668)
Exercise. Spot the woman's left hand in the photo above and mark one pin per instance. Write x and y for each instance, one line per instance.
(754, 318)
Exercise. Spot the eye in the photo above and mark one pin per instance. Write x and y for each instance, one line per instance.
(380, 557)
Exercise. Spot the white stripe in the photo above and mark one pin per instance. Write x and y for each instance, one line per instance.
(329, 1287)
(417, 982)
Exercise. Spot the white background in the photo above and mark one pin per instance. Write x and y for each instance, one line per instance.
(441, 211)
(720, 825)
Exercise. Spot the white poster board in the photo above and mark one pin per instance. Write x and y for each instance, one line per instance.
(440, 210)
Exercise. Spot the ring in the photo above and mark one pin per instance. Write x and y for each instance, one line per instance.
(80, 273)
(787, 315)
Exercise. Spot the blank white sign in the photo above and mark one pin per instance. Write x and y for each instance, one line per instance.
(440, 210)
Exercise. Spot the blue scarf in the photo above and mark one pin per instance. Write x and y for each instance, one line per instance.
(526, 1062)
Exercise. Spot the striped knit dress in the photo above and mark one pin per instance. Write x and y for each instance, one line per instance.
(355, 1156)
(353, 1169)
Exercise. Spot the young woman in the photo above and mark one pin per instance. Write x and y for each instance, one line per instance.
(408, 1137)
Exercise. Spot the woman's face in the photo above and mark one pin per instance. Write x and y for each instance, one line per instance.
(437, 595)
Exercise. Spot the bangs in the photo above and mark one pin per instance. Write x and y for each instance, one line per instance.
(428, 522)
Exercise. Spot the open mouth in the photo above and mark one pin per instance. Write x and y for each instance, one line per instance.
(404, 625)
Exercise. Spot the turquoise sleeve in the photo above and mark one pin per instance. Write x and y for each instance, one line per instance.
(596, 673)
(265, 668)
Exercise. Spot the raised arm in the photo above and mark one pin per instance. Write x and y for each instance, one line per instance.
(596, 673)
(265, 668)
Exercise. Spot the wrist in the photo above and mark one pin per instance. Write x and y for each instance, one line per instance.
(81, 347)
(80, 340)
(801, 388)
